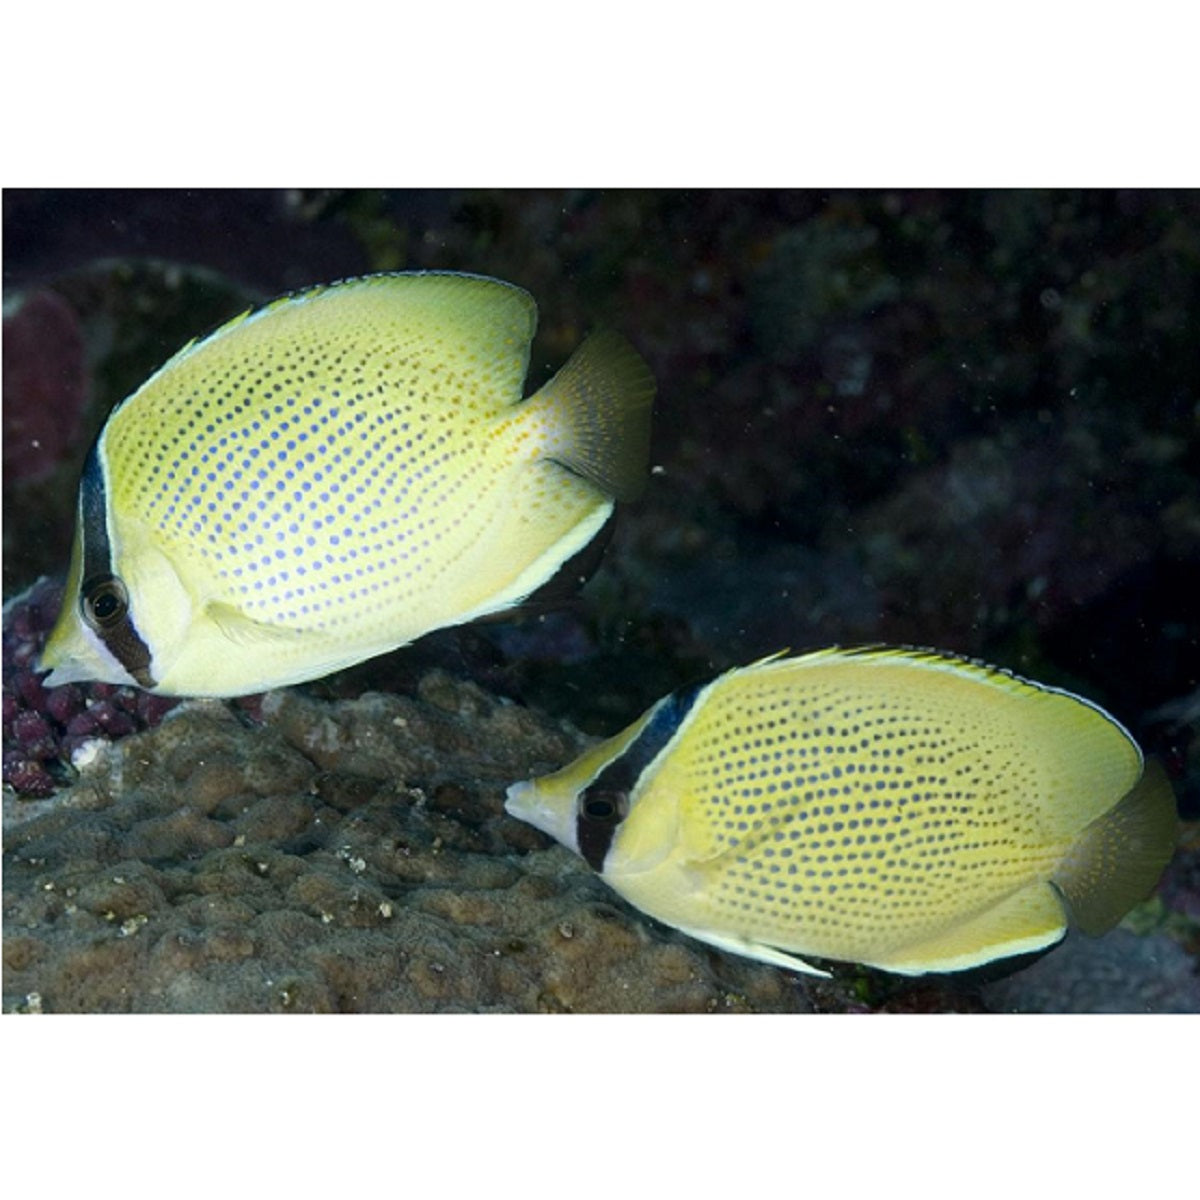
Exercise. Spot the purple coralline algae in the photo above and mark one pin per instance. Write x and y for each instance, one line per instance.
(44, 727)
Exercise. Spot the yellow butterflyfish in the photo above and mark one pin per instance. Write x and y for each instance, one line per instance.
(901, 809)
(333, 476)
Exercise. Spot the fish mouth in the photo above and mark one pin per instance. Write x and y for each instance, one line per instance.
(527, 802)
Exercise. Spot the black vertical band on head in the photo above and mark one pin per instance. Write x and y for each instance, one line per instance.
(121, 638)
(608, 794)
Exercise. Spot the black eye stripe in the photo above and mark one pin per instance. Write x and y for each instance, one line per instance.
(100, 586)
(599, 815)
(603, 804)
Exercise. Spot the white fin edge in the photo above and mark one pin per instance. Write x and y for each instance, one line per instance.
(978, 958)
(756, 950)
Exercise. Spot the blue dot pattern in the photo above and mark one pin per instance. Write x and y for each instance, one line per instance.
(852, 805)
(342, 463)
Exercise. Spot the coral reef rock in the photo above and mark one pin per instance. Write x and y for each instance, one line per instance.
(346, 856)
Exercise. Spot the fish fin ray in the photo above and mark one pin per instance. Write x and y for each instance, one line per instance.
(1119, 857)
(242, 630)
(498, 317)
(598, 407)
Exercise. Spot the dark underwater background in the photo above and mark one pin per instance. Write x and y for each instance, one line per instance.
(968, 420)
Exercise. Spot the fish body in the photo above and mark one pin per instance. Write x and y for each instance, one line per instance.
(901, 809)
(333, 476)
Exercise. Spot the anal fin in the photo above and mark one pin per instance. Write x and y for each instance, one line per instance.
(1029, 920)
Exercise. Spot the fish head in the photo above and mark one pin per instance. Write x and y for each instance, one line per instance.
(585, 804)
(122, 625)
(74, 652)
(545, 806)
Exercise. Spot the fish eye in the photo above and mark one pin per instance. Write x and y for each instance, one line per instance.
(104, 601)
(604, 806)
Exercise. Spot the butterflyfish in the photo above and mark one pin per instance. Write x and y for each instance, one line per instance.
(901, 809)
(334, 475)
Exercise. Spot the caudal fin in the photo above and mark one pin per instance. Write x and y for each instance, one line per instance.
(1119, 857)
(598, 409)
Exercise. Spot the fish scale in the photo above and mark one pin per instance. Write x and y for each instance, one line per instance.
(338, 473)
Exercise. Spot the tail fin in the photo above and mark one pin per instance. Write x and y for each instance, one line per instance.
(599, 409)
(1118, 858)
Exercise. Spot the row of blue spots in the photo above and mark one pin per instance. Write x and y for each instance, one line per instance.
(378, 549)
(210, 457)
(369, 566)
(356, 516)
(263, 505)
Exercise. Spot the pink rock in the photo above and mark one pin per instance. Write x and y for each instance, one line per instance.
(45, 385)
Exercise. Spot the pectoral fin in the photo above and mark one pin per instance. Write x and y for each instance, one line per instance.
(244, 631)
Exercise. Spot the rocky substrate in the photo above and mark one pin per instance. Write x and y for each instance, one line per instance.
(354, 856)
(349, 856)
